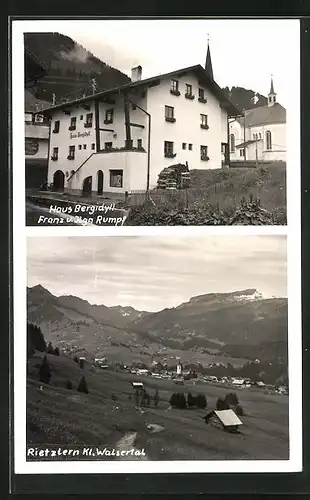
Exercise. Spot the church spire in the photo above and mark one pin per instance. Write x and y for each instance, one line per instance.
(272, 95)
(208, 66)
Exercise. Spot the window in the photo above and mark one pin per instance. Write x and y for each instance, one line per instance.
(116, 178)
(108, 145)
(174, 89)
(204, 153)
(241, 152)
(71, 153)
(81, 117)
(168, 149)
(56, 127)
(84, 146)
(201, 96)
(232, 143)
(268, 140)
(89, 120)
(189, 89)
(169, 114)
(260, 135)
(80, 146)
(190, 147)
(183, 145)
(93, 145)
(55, 154)
(73, 123)
(109, 115)
(28, 117)
(139, 143)
(204, 121)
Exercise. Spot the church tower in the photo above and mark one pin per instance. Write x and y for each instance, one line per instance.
(208, 65)
(272, 96)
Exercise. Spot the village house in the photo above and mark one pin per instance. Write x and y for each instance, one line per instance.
(120, 140)
(223, 419)
(259, 135)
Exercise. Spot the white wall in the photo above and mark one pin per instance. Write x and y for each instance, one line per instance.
(132, 163)
(66, 138)
(186, 127)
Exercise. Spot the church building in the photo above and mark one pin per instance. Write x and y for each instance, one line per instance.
(120, 139)
(260, 135)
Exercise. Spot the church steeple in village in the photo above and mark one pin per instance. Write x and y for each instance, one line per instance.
(208, 65)
(272, 96)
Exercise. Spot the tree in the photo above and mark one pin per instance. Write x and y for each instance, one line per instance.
(56, 351)
(50, 348)
(178, 400)
(35, 339)
(231, 399)
(82, 387)
(191, 400)
(76, 359)
(69, 385)
(239, 410)
(173, 399)
(45, 371)
(222, 404)
(156, 398)
(201, 401)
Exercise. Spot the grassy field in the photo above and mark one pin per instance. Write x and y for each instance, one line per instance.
(59, 416)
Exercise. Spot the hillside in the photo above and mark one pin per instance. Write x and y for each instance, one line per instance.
(240, 325)
(71, 67)
(245, 98)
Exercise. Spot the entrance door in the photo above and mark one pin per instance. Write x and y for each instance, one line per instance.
(58, 180)
(87, 186)
(100, 182)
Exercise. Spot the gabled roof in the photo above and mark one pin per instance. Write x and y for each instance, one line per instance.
(264, 115)
(34, 105)
(199, 71)
(246, 143)
(228, 417)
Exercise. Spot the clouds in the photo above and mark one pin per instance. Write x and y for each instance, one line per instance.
(156, 272)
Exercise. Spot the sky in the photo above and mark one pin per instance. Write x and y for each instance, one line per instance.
(154, 272)
(244, 52)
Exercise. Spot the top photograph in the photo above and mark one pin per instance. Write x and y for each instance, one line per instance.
(156, 122)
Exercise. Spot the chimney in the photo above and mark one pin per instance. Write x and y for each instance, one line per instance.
(136, 74)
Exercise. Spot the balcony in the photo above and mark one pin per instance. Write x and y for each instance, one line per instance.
(189, 96)
(170, 155)
(206, 127)
(169, 119)
(175, 92)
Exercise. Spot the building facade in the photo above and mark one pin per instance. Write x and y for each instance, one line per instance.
(36, 141)
(260, 135)
(120, 140)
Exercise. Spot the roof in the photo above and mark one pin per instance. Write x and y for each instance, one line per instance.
(137, 384)
(228, 417)
(34, 105)
(200, 72)
(246, 143)
(264, 115)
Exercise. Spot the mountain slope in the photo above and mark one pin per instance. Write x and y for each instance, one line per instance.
(71, 66)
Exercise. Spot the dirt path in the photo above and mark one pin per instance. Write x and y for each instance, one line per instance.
(127, 443)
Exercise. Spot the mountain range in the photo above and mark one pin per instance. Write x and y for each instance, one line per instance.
(234, 323)
(72, 68)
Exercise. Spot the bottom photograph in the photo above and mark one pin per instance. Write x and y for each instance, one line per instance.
(157, 348)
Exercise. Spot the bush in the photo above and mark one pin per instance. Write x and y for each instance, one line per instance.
(44, 371)
(56, 351)
(69, 385)
(50, 348)
(178, 400)
(191, 400)
(221, 404)
(82, 387)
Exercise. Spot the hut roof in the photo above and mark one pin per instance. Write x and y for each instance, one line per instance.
(228, 417)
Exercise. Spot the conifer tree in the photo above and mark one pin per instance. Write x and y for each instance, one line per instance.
(82, 387)
(50, 348)
(69, 385)
(56, 351)
(191, 400)
(45, 371)
(156, 398)
(201, 401)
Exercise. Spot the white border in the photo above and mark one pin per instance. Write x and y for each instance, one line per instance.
(21, 232)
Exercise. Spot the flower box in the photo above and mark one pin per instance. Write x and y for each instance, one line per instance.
(171, 120)
(202, 99)
(175, 92)
(204, 158)
(69, 157)
(56, 131)
(170, 155)
(189, 96)
(54, 158)
(107, 121)
(206, 127)
(72, 127)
